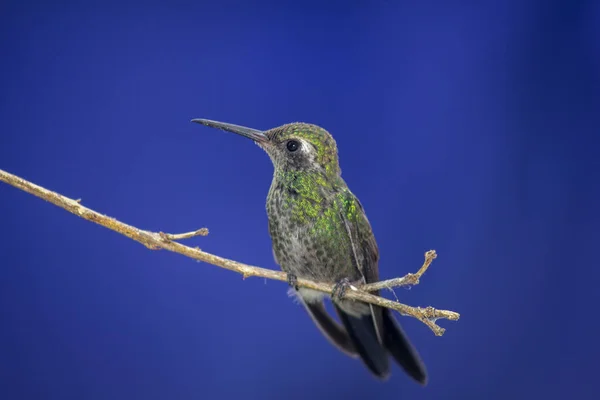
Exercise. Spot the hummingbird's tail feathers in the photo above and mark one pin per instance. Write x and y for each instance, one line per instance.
(362, 332)
(397, 343)
(332, 330)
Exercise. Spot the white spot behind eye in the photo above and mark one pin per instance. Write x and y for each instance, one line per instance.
(306, 148)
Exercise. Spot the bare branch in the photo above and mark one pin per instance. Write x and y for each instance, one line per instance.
(155, 241)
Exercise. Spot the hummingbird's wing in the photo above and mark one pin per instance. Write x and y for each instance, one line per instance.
(364, 246)
(361, 236)
(366, 254)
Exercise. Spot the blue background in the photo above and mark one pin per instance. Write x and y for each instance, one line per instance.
(467, 127)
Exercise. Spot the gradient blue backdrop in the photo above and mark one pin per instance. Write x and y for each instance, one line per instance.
(465, 127)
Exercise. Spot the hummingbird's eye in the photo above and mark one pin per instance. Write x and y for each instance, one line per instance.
(292, 145)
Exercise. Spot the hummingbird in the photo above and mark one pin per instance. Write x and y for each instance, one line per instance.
(319, 231)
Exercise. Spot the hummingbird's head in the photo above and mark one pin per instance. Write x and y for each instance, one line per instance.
(296, 146)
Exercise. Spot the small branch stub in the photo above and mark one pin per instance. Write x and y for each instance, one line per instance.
(166, 241)
(188, 235)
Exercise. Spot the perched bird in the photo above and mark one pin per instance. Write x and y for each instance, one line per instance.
(319, 231)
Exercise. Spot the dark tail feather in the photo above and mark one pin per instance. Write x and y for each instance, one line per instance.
(362, 333)
(330, 328)
(397, 343)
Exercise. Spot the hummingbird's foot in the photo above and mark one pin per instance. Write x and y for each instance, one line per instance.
(292, 280)
(339, 289)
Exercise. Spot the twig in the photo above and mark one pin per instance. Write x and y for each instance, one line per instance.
(406, 280)
(160, 240)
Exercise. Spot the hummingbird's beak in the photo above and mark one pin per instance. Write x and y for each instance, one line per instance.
(256, 135)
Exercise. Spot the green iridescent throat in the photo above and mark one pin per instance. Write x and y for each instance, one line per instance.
(319, 201)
